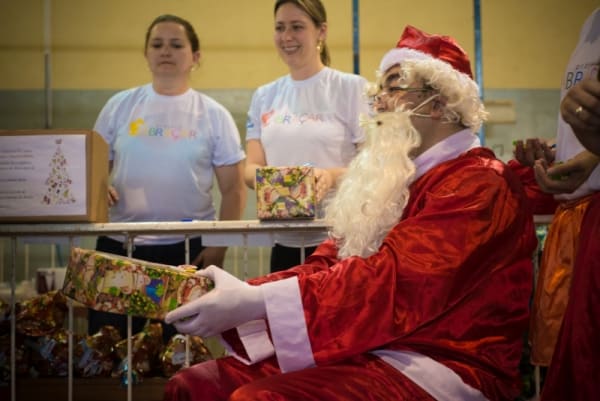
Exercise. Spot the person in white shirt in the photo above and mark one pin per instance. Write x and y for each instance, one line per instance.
(308, 117)
(572, 175)
(167, 142)
(574, 370)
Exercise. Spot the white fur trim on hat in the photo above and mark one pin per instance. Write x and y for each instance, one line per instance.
(397, 56)
(461, 92)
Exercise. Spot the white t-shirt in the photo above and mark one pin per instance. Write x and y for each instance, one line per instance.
(583, 63)
(313, 121)
(164, 149)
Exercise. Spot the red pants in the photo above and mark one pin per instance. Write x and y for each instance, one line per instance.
(362, 378)
(574, 373)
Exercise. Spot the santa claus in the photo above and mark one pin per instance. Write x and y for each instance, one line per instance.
(422, 291)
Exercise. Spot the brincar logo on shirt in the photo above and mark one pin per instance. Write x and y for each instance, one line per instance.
(139, 128)
(581, 71)
(286, 118)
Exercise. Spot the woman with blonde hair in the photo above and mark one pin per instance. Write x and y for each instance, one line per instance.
(308, 117)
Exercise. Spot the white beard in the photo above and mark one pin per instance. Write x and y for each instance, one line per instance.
(374, 191)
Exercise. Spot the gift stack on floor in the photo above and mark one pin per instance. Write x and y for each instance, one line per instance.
(99, 362)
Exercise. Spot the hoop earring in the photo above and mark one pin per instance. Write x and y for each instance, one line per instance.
(320, 46)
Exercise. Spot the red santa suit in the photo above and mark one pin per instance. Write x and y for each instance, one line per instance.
(439, 312)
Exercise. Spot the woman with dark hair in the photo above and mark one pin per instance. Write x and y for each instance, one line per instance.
(314, 111)
(167, 141)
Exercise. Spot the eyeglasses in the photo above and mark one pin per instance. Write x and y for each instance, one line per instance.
(393, 90)
(396, 89)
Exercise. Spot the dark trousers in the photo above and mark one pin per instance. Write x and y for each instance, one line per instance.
(283, 257)
(172, 254)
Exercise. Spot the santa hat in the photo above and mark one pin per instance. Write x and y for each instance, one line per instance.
(444, 65)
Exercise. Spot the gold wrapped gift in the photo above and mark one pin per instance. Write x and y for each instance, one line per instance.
(117, 284)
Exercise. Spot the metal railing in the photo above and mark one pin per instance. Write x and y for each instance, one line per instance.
(242, 234)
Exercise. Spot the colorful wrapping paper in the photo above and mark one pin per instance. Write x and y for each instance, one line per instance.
(172, 358)
(285, 193)
(117, 284)
(42, 315)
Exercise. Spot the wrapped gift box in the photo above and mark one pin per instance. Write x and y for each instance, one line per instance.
(53, 175)
(117, 284)
(285, 193)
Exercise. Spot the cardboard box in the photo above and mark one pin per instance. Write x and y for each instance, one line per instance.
(285, 193)
(117, 284)
(53, 176)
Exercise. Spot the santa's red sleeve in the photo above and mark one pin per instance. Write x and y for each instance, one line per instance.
(541, 202)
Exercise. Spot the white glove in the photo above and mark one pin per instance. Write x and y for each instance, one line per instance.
(231, 303)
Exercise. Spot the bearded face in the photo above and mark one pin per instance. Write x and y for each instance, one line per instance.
(374, 191)
(419, 103)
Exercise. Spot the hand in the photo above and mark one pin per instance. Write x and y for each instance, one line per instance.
(580, 108)
(587, 95)
(565, 177)
(231, 303)
(323, 183)
(113, 196)
(210, 256)
(533, 149)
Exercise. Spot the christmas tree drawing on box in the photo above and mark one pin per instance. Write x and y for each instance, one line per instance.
(58, 183)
